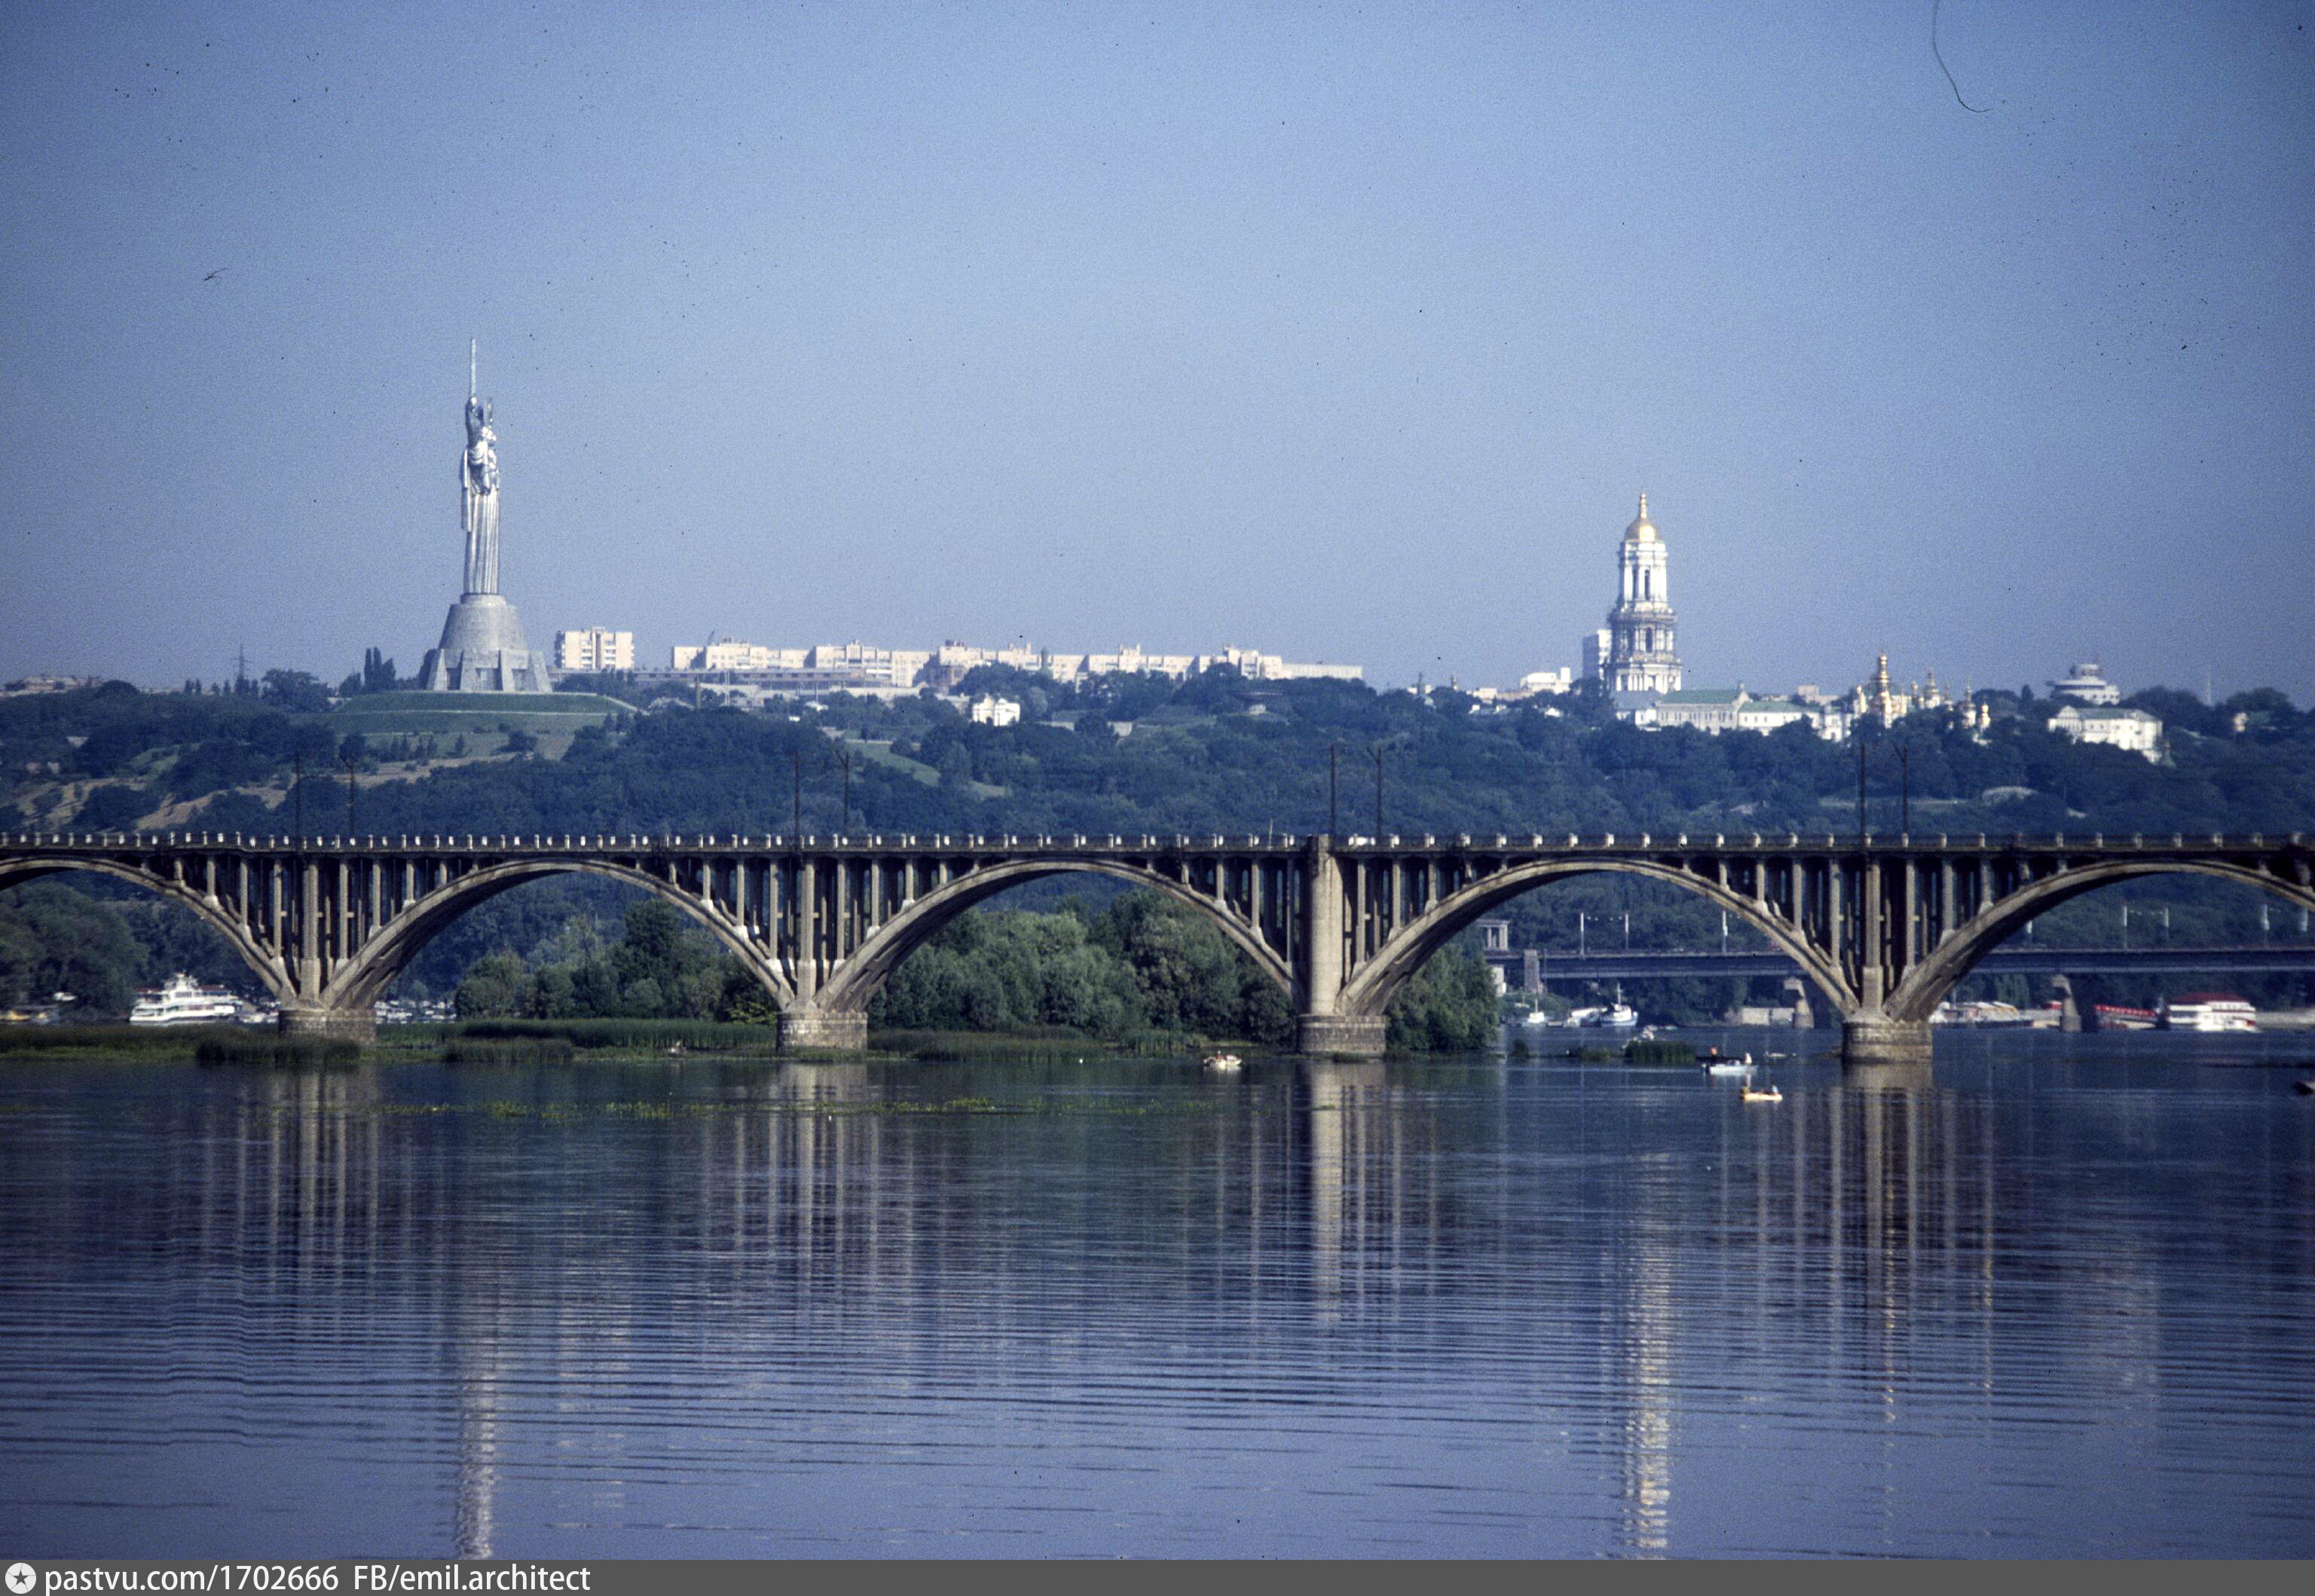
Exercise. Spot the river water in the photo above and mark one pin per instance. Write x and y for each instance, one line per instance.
(2060, 1298)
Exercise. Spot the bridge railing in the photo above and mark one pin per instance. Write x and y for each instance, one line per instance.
(1081, 843)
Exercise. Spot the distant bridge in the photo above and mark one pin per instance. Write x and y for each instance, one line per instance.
(1883, 925)
(2012, 958)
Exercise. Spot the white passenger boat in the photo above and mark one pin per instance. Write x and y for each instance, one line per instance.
(185, 1001)
(2208, 1011)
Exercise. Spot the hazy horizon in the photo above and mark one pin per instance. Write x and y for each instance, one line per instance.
(1347, 335)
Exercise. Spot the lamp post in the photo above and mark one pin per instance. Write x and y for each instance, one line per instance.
(1334, 789)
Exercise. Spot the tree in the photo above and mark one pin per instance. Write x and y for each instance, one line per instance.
(297, 691)
(54, 939)
(496, 987)
(1447, 1007)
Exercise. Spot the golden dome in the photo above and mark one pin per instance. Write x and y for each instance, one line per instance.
(1642, 530)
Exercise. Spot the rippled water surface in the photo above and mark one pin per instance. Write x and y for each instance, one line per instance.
(2060, 1300)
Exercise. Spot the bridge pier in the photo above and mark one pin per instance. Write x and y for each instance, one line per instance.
(1875, 1038)
(1914, 1076)
(334, 1024)
(1339, 1036)
(823, 1031)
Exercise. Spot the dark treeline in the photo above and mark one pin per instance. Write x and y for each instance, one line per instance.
(1136, 754)
(1139, 965)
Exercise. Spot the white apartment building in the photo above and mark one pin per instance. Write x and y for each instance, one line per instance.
(901, 667)
(991, 710)
(594, 648)
(730, 655)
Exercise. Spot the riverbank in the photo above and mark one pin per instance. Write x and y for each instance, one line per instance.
(567, 1041)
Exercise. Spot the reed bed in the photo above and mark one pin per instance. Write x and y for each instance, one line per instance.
(276, 1051)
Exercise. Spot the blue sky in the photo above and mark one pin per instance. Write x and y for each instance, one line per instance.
(1350, 331)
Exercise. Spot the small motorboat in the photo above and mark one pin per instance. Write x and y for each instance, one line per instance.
(1763, 1094)
(1225, 1062)
(1743, 1066)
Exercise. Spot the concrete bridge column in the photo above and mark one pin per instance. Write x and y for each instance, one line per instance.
(805, 1029)
(333, 1025)
(1322, 1030)
(1871, 1037)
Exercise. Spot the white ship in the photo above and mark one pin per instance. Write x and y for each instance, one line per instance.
(185, 1001)
(2208, 1011)
(1621, 1016)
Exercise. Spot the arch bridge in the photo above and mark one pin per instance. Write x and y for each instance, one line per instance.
(1883, 926)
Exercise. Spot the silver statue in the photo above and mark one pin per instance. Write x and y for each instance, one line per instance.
(478, 478)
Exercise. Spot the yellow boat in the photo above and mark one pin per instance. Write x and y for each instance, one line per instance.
(1763, 1094)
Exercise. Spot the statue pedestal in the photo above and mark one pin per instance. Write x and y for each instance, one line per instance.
(484, 650)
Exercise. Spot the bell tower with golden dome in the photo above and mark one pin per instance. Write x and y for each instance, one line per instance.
(1641, 657)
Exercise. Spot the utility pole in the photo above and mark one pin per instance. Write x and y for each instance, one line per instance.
(1583, 943)
(1334, 789)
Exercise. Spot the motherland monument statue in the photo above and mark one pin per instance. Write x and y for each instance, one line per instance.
(483, 648)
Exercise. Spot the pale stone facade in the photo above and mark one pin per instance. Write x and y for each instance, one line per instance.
(2131, 729)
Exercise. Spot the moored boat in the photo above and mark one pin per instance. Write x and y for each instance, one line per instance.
(2207, 1011)
(183, 1001)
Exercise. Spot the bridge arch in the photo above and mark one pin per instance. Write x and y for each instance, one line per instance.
(1929, 982)
(1367, 994)
(261, 962)
(853, 982)
(358, 983)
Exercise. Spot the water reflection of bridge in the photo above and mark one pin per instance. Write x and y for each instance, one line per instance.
(837, 1223)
